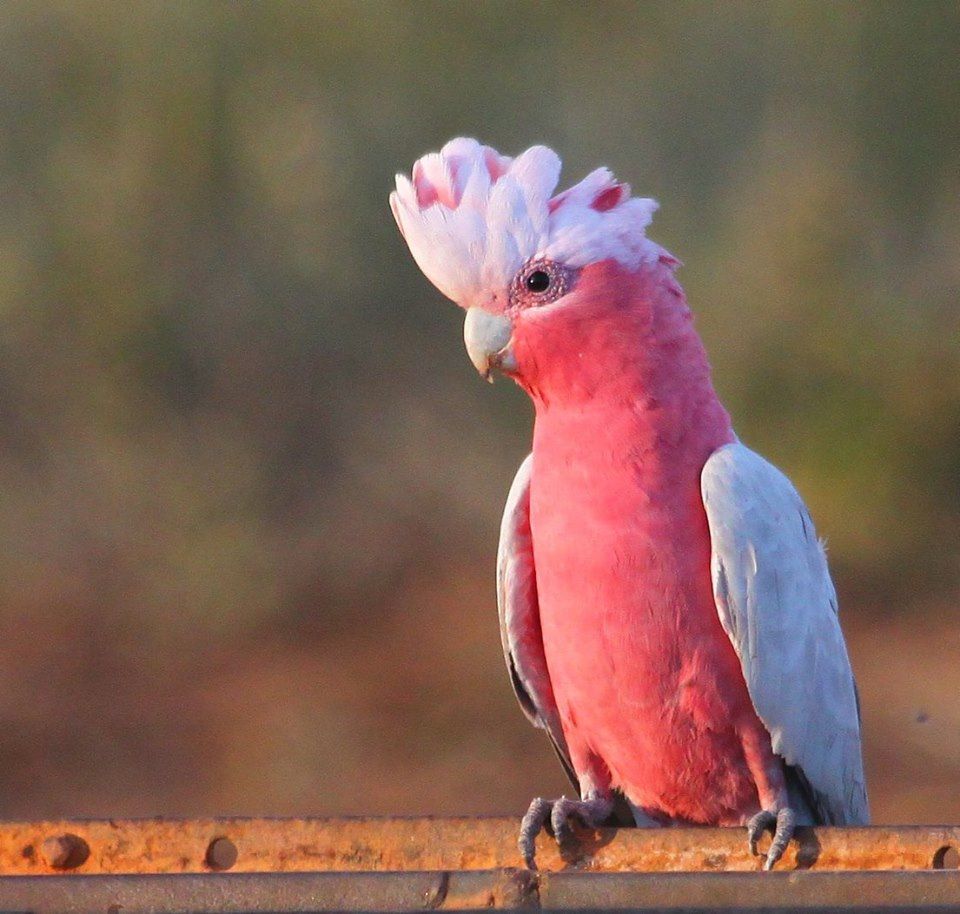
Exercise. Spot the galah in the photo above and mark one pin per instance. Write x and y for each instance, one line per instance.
(666, 610)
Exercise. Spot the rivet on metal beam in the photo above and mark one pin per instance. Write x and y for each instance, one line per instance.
(946, 858)
(64, 852)
(436, 895)
(221, 854)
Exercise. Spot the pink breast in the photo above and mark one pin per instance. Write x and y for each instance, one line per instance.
(645, 678)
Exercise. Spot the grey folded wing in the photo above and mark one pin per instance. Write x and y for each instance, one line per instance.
(520, 617)
(778, 606)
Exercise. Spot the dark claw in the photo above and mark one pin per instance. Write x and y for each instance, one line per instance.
(592, 811)
(781, 837)
(560, 815)
(757, 825)
(781, 823)
(537, 815)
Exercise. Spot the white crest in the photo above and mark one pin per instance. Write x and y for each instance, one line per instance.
(473, 217)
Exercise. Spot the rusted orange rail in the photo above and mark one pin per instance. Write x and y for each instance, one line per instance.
(122, 846)
(311, 865)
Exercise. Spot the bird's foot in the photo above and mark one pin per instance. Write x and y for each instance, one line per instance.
(593, 811)
(781, 823)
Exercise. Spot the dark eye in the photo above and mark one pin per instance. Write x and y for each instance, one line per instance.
(538, 281)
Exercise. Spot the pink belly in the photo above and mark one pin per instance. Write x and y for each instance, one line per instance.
(648, 685)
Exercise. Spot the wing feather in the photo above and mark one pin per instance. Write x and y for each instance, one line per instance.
(520, 617)
(778, 606)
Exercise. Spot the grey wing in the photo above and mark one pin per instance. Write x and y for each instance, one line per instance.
(778, 606)
(520, 617)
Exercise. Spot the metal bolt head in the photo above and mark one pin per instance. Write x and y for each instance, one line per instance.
(221, 854)
(64, 852)
(946, 858)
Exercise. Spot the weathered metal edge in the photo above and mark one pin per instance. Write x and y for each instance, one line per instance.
(242, 845)
(299, 893)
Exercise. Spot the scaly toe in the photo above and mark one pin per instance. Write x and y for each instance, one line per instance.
(786, 821)
(592, 811)
(563, 809)
(757, 825)
(537, 815)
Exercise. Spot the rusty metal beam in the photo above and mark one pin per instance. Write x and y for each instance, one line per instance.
(158, 846)
(300, 893)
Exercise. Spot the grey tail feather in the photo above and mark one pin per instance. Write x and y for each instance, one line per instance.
(622, 815)
(804, 798)
(567, 766)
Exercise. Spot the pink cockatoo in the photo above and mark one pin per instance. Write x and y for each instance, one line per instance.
(666, 610)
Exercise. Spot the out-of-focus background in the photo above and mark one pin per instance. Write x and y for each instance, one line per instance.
(250, 484)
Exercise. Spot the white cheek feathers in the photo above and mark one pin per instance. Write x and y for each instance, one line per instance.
(473, 217)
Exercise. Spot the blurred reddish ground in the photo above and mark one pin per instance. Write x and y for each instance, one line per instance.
(409, 714)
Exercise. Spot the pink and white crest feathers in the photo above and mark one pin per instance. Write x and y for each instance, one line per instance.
(473, 217)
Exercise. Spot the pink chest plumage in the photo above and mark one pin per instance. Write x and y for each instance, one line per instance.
(646, 681)
(648, 685)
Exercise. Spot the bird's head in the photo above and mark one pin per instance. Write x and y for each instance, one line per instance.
(527, 264)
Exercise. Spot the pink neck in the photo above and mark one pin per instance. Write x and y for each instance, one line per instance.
(625, 350)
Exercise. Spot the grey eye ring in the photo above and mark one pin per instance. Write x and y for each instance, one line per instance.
(539, 282)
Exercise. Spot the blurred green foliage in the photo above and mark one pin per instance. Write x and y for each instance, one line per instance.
(232, 412)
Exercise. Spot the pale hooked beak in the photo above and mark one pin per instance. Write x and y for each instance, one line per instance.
(488, 341)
